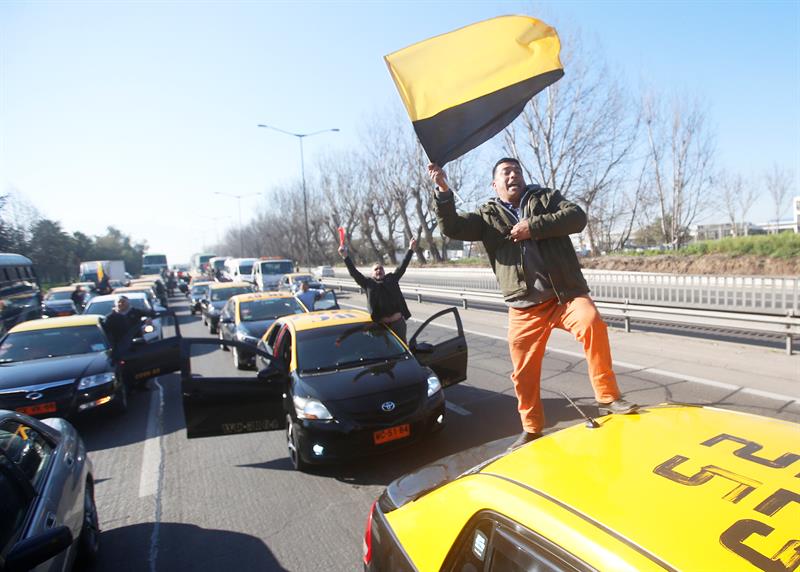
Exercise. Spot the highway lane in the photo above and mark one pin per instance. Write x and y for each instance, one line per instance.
(234, 502)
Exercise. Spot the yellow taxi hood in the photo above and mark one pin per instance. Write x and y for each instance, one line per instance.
(699, 488)
(51, 323)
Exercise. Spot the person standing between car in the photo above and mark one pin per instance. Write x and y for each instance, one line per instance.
(525, 231)
(385, 301)
(307, 296)
(77, 298)
(123, 324)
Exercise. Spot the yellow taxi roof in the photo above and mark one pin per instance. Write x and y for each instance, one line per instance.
(224, 285)
(326, 318)
(61, 322)
(642, 491)
(61, 289)
(249, 297)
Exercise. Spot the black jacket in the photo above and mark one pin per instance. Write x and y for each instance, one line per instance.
(383, 298)
(122, 328)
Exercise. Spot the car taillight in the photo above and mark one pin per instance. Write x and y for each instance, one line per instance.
(368, 536)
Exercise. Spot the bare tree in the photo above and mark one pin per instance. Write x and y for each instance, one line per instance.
(779, 187)
(727, 190)
(581, 133)
(680, 158)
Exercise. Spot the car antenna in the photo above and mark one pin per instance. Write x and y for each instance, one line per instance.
(590, 423)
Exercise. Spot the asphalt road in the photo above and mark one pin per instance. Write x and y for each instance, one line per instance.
(167, 503)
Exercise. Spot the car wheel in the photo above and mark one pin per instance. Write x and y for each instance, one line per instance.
(293, 443)
(89, 540)
(237, 361)
(121, 399)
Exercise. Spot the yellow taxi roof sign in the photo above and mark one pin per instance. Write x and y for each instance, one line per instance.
(249, 297)
(60, 322)
(327, 318)
(224, 285)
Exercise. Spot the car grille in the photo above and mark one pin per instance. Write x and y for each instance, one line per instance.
(62, 392)
(367, 410)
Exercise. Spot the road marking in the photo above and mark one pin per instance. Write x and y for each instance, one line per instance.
(642, 368)
(456, 408)
(151, 480)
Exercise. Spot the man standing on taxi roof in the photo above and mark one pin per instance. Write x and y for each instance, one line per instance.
(525, 231)
(385, 301)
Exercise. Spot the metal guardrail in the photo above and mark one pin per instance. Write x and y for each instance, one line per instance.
(787, 326)
(758, 294)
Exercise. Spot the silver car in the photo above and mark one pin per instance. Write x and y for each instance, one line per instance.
(48, 517)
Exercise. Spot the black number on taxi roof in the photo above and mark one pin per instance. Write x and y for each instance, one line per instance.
(750, 447)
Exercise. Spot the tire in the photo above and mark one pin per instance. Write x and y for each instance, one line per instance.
(293, 443)
(236, 359)
(223, 347)
(121, 399)
(89, 540)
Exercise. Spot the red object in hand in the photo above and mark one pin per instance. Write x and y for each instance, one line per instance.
(341, 236)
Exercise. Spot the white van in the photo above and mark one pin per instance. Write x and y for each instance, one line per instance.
(240, 269)
(267, 272)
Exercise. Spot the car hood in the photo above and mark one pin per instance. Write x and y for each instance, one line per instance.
(24, 373)
(257, 328)
(380, 378)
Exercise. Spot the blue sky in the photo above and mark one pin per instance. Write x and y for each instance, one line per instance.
(134, 114)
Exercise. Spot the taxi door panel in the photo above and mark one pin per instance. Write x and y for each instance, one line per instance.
(327, 301)
(140, 362)
(446, 354)
(214, 406)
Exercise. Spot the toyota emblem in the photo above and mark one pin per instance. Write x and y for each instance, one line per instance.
(388, 406)
(34, 396)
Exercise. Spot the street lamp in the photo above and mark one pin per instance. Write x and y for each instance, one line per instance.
(300, 137)
(239, 201)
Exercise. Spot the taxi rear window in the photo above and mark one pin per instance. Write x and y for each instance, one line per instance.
(226, 293)
(269, 309)
(347, 345)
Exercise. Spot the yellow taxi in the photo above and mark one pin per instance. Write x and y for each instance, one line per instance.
(246, 317)
(673, 488)
(341, 385)
(218, 295)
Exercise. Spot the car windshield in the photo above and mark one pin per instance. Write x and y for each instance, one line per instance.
(221, 294)
(284, 267)
(104, 307)
(348, 345)
(269, 309)
(59, 296)
(302, 278)
(24, 346)
(199, 290)
(246, 269)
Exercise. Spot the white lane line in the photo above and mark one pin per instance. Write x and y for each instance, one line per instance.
(159, 481)
(151, 454)
(661, 372)
(456, 408)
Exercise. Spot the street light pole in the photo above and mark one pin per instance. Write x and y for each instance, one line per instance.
(300, 137)
(239, 203)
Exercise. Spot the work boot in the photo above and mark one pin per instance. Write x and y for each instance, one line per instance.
(618, 406)
(524, 437)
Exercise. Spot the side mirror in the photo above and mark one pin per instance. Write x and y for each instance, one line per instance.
(29, 553)
(274, 372)
(422, 348)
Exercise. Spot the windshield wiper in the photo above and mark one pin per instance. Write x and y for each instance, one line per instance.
(347, 364)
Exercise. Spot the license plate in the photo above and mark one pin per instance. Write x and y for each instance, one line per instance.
(39, 408)
(391, 434)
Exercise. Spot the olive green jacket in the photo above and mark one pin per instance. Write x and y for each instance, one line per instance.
(551, 218)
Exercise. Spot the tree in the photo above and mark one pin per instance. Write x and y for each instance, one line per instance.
(679, 156)
(779, 186)
(51, 250)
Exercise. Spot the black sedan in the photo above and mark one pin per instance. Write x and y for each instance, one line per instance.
(218, 295)
(197, 292)
(59, 367)
(47, 509)
(54, 308)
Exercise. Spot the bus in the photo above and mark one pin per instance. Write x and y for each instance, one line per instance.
(154, 263)
(20, 294)
(200, 261)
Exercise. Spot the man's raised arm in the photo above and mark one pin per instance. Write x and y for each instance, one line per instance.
(460, 227)
(351, 268)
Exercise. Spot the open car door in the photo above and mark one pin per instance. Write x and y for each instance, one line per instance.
(141, 361)
(215, 406)
(326, 301)
(439, 343)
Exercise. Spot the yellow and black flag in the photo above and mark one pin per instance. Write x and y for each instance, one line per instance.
(463, 88)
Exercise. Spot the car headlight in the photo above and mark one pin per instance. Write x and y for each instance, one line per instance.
(94, 380)
(245, 337)
(434, 385)
(309, 408)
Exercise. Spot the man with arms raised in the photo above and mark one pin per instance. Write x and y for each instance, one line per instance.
(525, 231)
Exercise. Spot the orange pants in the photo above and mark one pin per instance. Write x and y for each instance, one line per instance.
(528, 332)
